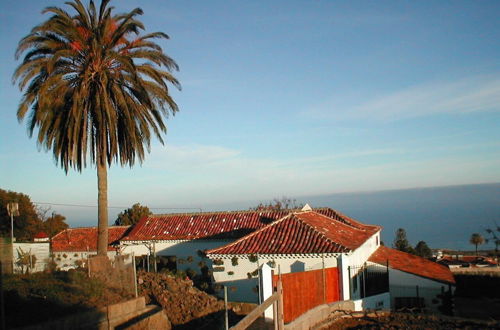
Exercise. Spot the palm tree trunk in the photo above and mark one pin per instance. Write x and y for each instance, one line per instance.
(476, 249)
(102, 208)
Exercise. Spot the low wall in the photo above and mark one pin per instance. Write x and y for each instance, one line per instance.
(319, 314)
(131, 314)
(377, 302)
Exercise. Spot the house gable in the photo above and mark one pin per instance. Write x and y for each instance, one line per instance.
(301, 233)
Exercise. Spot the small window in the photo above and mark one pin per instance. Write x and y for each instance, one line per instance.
(377, 240)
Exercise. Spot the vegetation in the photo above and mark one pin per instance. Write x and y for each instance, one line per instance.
(27, 224)
(45, 296)
(423, 250)
(31, 219)
(494, 236)
(95, 89)
(278, 204)
(401, 242)
(476, 239)
(132, 215)
(53, 224)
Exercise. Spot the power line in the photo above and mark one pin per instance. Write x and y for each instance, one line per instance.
(119, 207)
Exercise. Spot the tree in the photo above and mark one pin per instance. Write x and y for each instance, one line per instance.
(401, 242)
(476, 239)
(96, 90)
(27, 224)
(423, 250)
(132, 215)
(54, 224)
(494, 236)
(278, 204)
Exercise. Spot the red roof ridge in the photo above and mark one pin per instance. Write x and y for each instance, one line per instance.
(229, 212)
(320, 232)
(244, 238)
(363, 225)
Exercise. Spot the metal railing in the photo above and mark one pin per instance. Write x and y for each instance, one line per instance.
(368, 280)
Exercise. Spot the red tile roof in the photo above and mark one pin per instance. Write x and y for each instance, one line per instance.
(215, 225)
(84, 239)
(301, 233)
(412, 264)
(470, 259)
(41, 235)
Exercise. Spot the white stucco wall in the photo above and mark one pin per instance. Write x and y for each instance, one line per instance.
(66, 260)
(182, 249)
(40, 250)
(359, 256)
(377, 302)
(402, 284)
(244, 289)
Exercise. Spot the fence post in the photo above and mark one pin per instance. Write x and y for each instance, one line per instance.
(324, 278)
(350, 286)
(135, 274)
(154, 257)
(281, 321)
(364, 281)
(226, 317)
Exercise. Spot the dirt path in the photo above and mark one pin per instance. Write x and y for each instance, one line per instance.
(409, 321)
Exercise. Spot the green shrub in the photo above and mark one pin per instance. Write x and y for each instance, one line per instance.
(252, 258)
(234, 261)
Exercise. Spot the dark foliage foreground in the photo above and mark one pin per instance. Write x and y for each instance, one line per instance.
(40, 297)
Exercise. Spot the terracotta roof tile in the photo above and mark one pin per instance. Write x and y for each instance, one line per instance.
(84, 239)
(301, 233)
(41, 234)
(215, 225)
(412, 264)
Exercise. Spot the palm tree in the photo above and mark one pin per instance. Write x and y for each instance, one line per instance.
(476, 239)
(95, 89)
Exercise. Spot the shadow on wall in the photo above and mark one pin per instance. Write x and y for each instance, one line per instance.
(244, 290)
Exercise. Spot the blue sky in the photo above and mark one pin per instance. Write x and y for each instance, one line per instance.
(291, 98)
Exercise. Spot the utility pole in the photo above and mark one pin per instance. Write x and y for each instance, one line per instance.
(12, 210)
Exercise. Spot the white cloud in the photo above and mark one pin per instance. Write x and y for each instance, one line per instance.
(467, 95)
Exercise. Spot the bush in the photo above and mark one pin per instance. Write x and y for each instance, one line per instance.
(252, 258)
(234, 261)
(190, 273)
(218, 262)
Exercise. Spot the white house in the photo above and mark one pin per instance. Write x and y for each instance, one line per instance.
(238, 243)
(185, 237)
(300, 241)
(71, 247)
